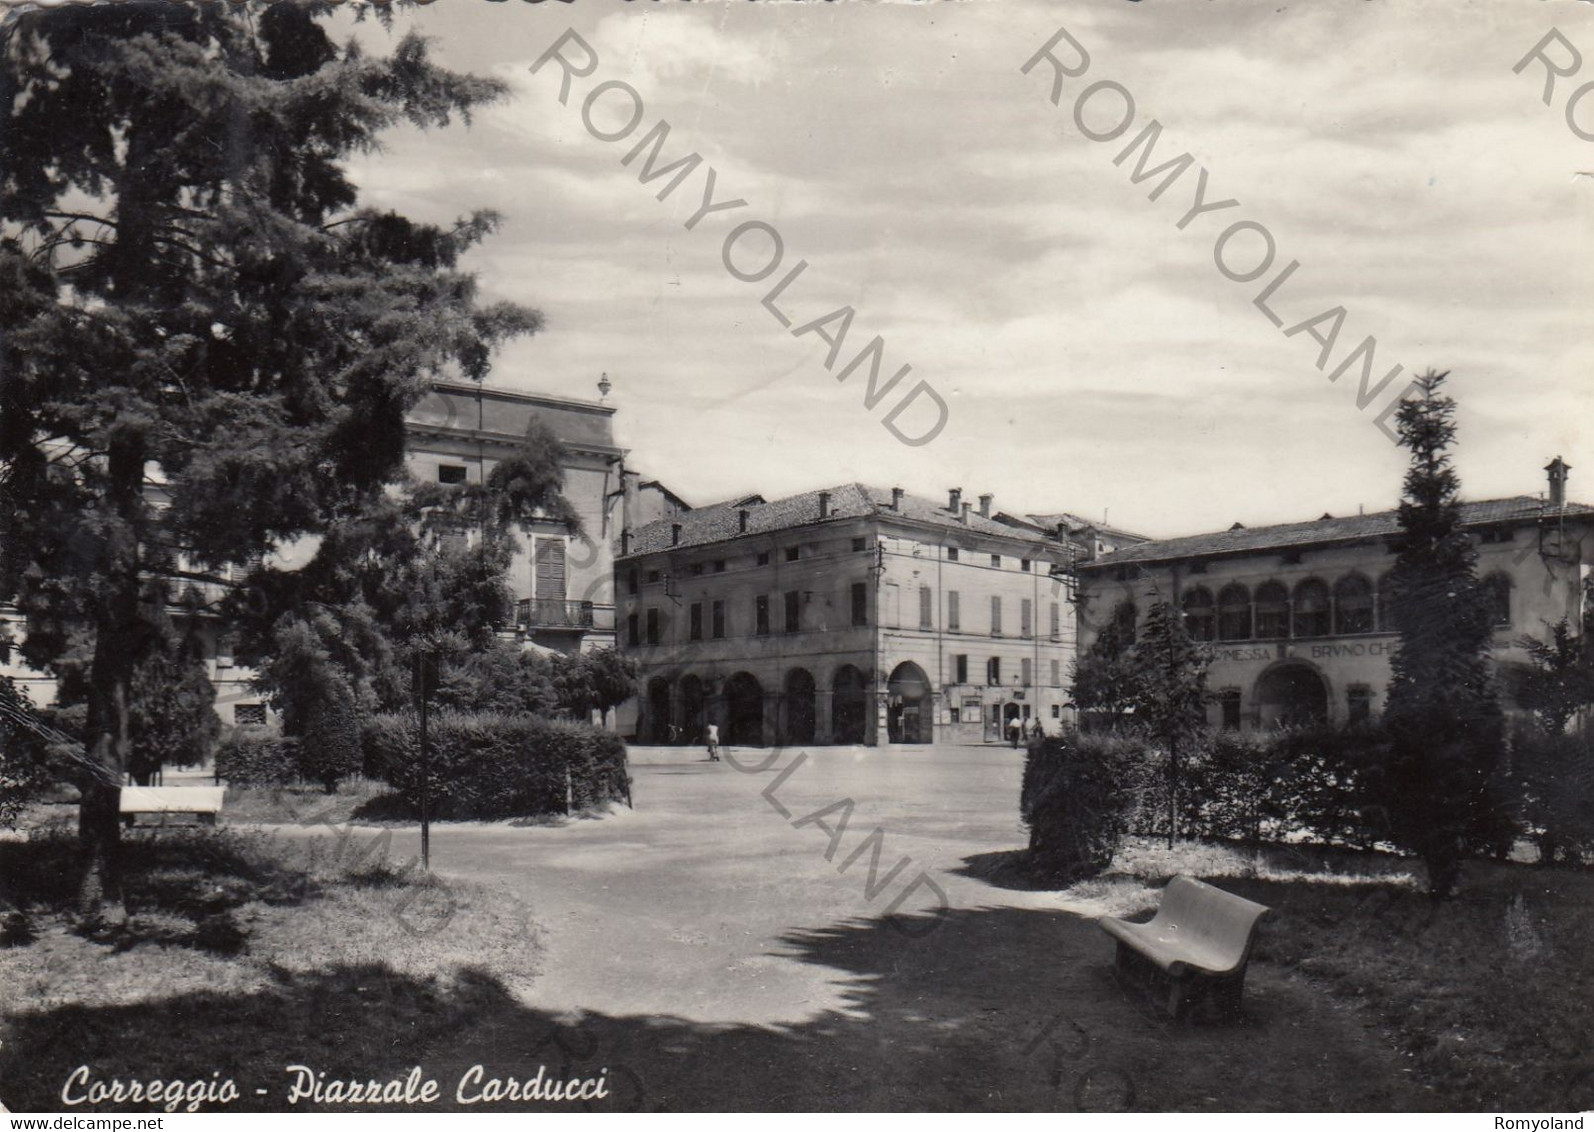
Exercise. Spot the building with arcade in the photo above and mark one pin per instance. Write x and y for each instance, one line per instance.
(1297, 615)
(848, 615)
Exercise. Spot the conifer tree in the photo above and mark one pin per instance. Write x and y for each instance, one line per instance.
(207, 347)
(1441, 781)
(1172, 680)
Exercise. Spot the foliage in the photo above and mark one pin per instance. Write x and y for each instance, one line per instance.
(189, 287)
(593, 681)
(172, 713)
(29, 764)
(487, 766)
(1440, 785)
(249, 757)
(330, 744)
(1077, 801)
(1106, 679)
(504, 678)
(1559, 679)
(1172, 678)
(1555, 772)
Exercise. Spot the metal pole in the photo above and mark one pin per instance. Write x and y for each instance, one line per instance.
(423, 662)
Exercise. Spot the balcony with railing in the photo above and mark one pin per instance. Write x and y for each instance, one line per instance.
(553, 613)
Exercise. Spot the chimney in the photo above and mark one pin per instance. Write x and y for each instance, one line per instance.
(954, 500)
(824, 504)
(1062, 531)
(1558, 469)
(896, 499)
(741, 521)
(625, 543)
(985, 505)
(967, 507)
(675, 534)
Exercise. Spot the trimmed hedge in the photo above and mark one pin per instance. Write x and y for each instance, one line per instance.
(1077, 798)
(258, 758)
(1309, 783)
(486, 766)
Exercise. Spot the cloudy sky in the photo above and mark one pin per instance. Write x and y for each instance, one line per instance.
(1091, 354)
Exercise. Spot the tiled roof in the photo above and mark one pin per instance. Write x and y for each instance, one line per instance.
(1352, 528)
(1076, 524)
(720, 522)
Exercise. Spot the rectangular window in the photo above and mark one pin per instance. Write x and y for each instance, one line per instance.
(926, 608)
(996, 561)
(993, 671)
(653, 577)
(860, 544)
(548, 580)
(1057, 673)
(793, 611)
(996, 616)
(1025, 672)
(763, 558)
(697, 569)
(695, 621)
(1026, 619)
(960, 663)
(1229, 702)
(954, 612)
(653, 626)
(633, 630)
(451, 473)
(631, 582)
(1023, 564)
(719, 566)
(951, 554)
(793, 553)
(717, 613)
(1057, 621)
(761, 615)
(860, 603)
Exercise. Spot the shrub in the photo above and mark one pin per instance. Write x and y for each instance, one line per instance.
(1078, 799)
(1555, 777)
(258, 758)
(488, 766)
(329, 742)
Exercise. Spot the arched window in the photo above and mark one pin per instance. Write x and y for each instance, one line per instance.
(1272, 610)
(1124, 619)
(1311, 609)
(1497, 589)
(1198, 614)
(1353, 605)
(1234, 613)
(1386, 603)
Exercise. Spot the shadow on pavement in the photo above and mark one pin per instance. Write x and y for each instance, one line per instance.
(995, 1009)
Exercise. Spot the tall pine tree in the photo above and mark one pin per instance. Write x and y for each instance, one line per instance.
(1446, 729)
(206, 346)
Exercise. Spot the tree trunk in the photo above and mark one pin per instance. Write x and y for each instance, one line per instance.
(120, 637)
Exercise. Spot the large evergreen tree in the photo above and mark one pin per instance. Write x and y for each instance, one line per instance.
(1441, 781)
(208, 347)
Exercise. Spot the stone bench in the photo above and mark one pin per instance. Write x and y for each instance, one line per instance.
(204, 802)
(1196, 946)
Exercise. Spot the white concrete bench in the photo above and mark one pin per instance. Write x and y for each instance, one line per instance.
(1198, 944)
(204, 802)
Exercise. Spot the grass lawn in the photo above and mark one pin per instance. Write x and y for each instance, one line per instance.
(1486, 995)
(243, 949)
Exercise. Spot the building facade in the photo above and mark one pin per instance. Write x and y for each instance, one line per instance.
(1297, 615)
(849, 615)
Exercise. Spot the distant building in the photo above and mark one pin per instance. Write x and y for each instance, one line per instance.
(1297, 615)
(848, 615)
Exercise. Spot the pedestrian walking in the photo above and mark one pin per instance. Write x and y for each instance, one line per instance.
(1015, 729)
(714, 742)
